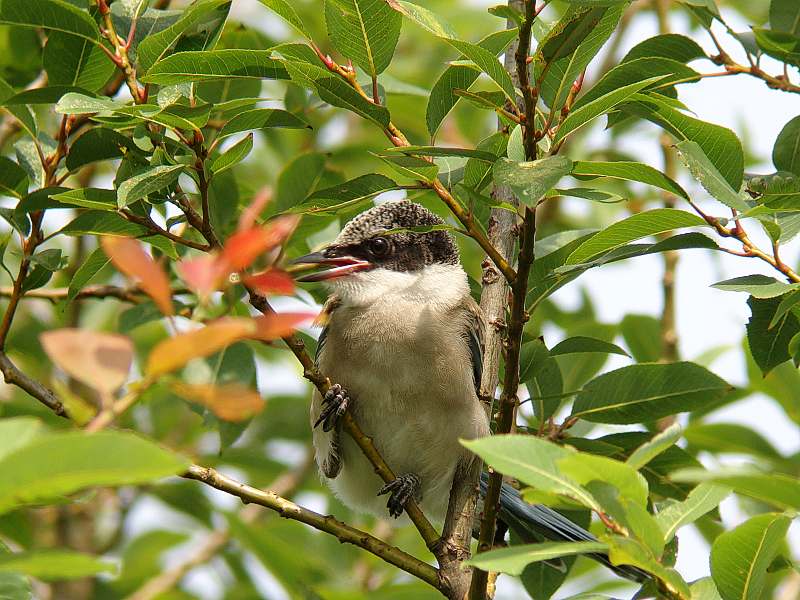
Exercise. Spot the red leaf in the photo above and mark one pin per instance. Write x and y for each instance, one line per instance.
(271, 281)
(278, 325)
(243, 247)
(248, 217)
(100, 360)
(203, 274)
(129, 257)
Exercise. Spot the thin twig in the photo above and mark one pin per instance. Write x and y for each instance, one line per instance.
(343, 532)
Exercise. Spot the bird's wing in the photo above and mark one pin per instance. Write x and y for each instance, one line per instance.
(326, 444)
(474, 332)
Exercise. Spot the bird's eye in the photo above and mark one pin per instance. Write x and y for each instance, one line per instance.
(378, 246)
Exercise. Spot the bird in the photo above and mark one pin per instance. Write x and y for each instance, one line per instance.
(403, 343)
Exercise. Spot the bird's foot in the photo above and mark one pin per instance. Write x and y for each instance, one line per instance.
(334, 405)
(401, 490)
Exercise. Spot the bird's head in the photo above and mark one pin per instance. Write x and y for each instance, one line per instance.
(366, 254)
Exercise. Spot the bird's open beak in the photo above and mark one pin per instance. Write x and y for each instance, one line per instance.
(340, 266)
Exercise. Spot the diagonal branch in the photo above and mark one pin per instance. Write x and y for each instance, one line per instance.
(343, 532)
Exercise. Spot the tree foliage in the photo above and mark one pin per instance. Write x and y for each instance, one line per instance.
(161, 165)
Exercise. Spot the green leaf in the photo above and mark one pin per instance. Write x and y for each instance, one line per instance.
(74, 61)
(345, 196)
(760, 286)
(594, 195)
(23, 114)
(635, 227)
(13, 178)
(424, 18)
(729, 437)
(98, 144)
(719, 144)
(336, 92)
(261, 118)
(443, 95)
(581, 343)
(212, 65)
(739, 558)
(777, 191)
(565, 37)
(96, 198)
(642, 335)
(669, 45)
(13, 586)
(16, 432)
(530, 181)
(99, 222)
(484, 59)
(707, 174)
(514, 559)
(444, 151)
(784, 15)
(54, 565)
(196, 16)
(629, 171)
(411, 166)
(54, 15)
(788, 302)
(562, 72)
(533, 461)
(769, 346)
(74, 103)
(786, 151)
(365, 31)
(701, 500)
(655, 446)
(106, 458)
(586, 469)
(284, 10)
(150, 181)
(86, 272)
(631, 552)
(704, 589)
(585, 113)
(233, 155)
(647, 392)
(779, 44)
(777, 489)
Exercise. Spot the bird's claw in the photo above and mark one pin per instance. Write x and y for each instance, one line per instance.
(334, 405)
(401, 490)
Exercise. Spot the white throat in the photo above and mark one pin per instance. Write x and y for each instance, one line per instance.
(439, 284)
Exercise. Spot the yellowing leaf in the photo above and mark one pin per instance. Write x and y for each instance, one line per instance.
(230, 402)
(100, 360)
(129, 257)
(176, 351)
(271, 281)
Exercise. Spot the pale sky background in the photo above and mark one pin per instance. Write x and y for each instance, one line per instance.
(741, 103)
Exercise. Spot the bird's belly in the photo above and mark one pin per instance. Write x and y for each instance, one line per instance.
(415, 423)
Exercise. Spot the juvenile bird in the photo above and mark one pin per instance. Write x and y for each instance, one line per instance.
(403, 344)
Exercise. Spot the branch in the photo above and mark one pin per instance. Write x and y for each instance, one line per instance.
(343, 532)
(364, 442)
(14, 376)
(134, 295)
(284, 485)
(155, 229)
(494, 298)
(776, 82)
(120, 58)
